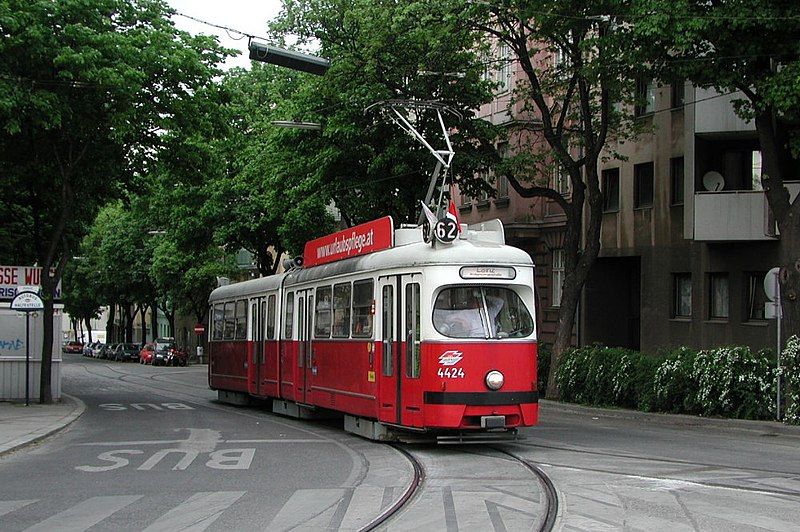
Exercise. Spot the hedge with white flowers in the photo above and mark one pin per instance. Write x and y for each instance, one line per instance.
(724, 381)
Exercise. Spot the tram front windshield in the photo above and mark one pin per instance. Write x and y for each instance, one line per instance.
(481, 312)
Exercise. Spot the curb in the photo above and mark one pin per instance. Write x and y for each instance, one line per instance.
(676, 420)
(79, 407)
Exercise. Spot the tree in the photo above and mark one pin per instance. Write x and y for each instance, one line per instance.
(748, 46)
(576, 67)
(86, 88)
(382, 51)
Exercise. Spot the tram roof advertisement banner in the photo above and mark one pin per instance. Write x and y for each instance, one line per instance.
(351, 242)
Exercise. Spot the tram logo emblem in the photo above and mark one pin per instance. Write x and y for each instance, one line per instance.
(450, 358)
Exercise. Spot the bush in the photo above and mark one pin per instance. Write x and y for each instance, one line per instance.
(545, 355)
(603, 376)
(672, 382)
(732, 382)
(790, 369)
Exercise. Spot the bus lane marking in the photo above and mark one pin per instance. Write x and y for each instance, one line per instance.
(200, 446)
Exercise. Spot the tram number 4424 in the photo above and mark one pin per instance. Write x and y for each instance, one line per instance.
(451, 373)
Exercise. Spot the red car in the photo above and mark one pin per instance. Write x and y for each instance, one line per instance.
(73, 347)
(146, 354)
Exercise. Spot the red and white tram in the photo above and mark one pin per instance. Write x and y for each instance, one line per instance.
(398, 335)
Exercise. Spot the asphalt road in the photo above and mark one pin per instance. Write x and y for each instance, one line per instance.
(155, 451)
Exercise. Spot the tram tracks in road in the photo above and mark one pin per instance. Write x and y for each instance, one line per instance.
(416, 482)
(706, 466)
(549, 499)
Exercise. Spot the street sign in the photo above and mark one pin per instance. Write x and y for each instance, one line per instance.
(199, 328)
(771, 283)
(27, 302)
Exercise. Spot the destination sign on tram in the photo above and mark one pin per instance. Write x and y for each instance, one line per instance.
(362, 239)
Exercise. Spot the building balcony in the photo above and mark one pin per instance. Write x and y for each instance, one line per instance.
(735, 216)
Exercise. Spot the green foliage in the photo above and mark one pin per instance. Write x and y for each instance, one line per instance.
(726, 381)
(732, 382)
(545, 356)
(672, 382)
(790, 369)
(383, 50)
(602, 376)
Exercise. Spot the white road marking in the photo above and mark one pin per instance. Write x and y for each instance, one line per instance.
(173, 442)
(10, 506)
(197, 513)
(85, 515)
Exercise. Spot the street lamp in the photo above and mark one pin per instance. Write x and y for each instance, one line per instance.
(288, 58)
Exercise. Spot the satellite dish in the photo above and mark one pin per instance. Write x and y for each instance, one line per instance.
(713, 181)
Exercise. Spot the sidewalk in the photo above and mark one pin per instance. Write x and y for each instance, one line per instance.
(676, 420)
(21, 425)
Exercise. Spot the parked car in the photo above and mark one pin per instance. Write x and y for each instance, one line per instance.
(162, 348)
(107, 351)
(97, 349)
(146, 353)
(73, 347)
(123, 352)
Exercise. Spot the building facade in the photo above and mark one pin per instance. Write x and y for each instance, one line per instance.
(687, 237)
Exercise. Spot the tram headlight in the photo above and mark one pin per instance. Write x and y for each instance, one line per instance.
(494, 380)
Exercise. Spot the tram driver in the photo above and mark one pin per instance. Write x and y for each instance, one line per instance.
(466, 320)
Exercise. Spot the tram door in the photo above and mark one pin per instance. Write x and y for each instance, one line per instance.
(305, 312)
(389, 350)
(257, 350)
(399, 350)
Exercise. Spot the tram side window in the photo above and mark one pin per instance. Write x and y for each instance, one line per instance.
(241, 320)
(288, 317)
(322, 318)
(388, 330)
(412, 330)
(362, 309)
(341, 310)
(217, 322)
(230, 324)
(271, 318)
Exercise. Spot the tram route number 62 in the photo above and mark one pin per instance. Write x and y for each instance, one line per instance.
(450, 373)
(446, 230)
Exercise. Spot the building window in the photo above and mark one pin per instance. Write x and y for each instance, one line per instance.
(755, 158)
(561, 180)
(645, 98)
(501, 183)
(718, 296)
(681, 295)
(504, 68)
(676, 180)
(677, 94)
(643, 185)
(755, 297)
(611, 190)
(558, 276)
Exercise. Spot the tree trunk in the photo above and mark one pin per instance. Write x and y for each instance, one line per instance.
(88, 322)
(154, 319)
(142, 310)
(129, 317)
(48, 286)
(110, 323)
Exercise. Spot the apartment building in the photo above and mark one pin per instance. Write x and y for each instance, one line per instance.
(687, 237)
